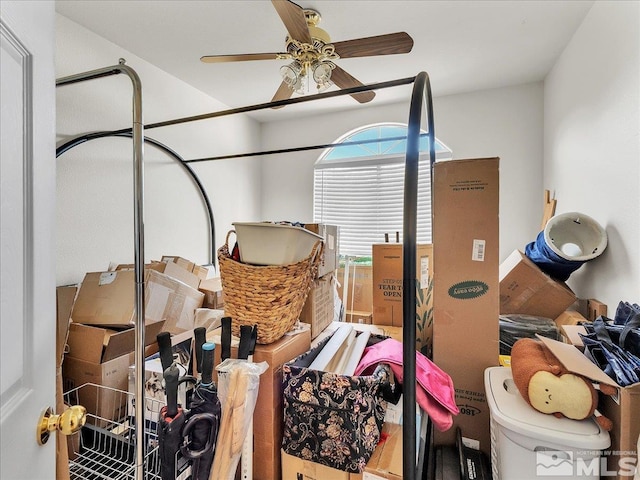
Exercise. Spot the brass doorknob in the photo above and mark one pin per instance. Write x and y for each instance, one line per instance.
(68, 423)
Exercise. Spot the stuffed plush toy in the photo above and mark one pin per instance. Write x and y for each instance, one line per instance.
(549, 387)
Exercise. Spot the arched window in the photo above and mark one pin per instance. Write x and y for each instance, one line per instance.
(359, 186)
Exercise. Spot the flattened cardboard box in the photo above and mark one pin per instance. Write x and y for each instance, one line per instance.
(524, 288)
(466, 290)
(267, 417)
(108, 299)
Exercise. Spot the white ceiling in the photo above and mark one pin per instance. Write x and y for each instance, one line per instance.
(464, 45)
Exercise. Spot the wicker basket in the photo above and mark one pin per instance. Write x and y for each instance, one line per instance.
(270, 297)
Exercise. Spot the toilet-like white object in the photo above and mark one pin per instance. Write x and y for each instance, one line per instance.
(530, 445)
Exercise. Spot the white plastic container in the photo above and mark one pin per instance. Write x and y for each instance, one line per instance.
(273, 244)
(529, 445)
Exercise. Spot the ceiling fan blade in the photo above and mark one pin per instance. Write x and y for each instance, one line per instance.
(343, 80)
(239, 58)
(292, 15)
(284, 92)
(389, 44)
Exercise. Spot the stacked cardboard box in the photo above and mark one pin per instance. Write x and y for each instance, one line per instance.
(101, 338)
(466, 290)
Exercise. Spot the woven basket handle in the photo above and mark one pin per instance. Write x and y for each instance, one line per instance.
(316, 252)
(226, 241)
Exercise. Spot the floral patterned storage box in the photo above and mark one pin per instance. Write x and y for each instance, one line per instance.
(333, 419)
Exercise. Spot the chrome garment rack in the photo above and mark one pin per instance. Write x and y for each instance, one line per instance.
(421, 108)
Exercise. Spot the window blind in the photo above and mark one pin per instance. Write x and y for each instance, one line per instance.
(365, 199)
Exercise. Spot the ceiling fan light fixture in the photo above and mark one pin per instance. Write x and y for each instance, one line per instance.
(291, 73)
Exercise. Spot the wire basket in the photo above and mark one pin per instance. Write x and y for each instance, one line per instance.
(105, 446)
(270, 297)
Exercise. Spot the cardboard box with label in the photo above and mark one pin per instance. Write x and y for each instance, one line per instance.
(466, 290)
(524, 288)
(318, 309)
(108, 299)
(387, 289)
(267, 417)
(329, 233)
(102, 356)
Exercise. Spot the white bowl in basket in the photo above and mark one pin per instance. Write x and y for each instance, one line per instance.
(264, 243)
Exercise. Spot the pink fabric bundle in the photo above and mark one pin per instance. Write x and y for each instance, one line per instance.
(434, 390)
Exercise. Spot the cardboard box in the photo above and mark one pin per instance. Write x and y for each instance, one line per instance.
(569, 317)
(387, 289)
(294, 468)
(329, 262)
(359, 285)
(622, 409)
(267, 417)
(318, 310)
(524, 288)
(571, 335)
(359, 317)
(168, 268)
(102, 356)
(466, 290)
(386, 461)
(108, 299)
(212, 290)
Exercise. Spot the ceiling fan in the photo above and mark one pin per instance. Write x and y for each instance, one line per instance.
(313, 55)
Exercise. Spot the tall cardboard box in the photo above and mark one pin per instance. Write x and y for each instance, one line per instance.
(318, 309)
(267, 417)
(387, 289)
(466, 289)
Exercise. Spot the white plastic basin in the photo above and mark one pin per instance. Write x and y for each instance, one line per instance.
(264, 243)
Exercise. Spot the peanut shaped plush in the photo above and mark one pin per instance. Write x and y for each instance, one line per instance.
(549, 387)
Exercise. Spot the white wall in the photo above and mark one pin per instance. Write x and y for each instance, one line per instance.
(592, 144)
(504, 122)
(95, 182)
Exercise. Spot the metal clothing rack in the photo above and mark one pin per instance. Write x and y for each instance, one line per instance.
(421, 105)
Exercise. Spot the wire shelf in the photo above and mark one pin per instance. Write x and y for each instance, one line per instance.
(104, 449)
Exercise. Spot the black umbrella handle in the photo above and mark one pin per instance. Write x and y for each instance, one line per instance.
(171, 375)
(208, 350)
(200, 334)
(164, 346)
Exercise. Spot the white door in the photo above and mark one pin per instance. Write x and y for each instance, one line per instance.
(27, 216)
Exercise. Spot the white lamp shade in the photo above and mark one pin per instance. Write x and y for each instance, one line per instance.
(575, 236)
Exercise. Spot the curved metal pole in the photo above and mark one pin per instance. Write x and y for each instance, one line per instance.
(65, 147)
(138, 210)
(421, 94)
